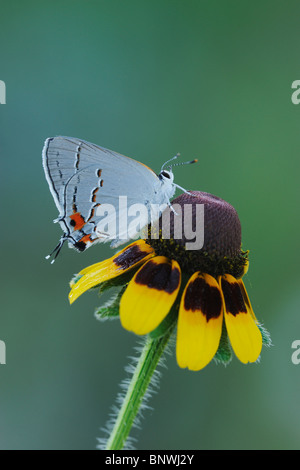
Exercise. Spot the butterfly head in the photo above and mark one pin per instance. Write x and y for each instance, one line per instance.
(167, 176)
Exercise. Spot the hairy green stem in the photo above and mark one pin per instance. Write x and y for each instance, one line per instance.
(147, 363)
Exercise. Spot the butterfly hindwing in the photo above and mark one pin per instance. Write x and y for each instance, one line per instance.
(83, 176)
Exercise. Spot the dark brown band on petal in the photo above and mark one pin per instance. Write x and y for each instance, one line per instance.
(233, 297)
(129, 257)
(159, 276)
(202, 296)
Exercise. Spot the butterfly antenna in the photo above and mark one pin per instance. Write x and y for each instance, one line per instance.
(185, 163)
(168, 161)
(56, 249)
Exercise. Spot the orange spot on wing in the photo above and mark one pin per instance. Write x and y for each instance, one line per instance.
(77, 221)
(86, 238)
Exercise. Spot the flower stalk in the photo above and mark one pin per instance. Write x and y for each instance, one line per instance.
(150, 356)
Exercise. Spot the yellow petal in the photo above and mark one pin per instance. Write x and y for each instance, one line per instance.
(150, 295)
(243, 332)
(246, 267)
(200, 322)
(246, 298)
(131, 256)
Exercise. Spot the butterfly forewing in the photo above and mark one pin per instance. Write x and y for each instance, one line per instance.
(83, 176)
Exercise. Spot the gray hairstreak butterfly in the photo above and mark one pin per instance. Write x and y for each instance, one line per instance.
(83, 178)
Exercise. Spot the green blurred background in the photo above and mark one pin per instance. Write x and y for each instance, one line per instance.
(211, 80)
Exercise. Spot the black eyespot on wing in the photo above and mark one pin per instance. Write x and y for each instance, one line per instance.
(81, 246)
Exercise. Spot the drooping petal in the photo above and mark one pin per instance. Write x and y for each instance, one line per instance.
(243, 332)
(246, 298)
(199, 322)
(150, 295)
(131, 256)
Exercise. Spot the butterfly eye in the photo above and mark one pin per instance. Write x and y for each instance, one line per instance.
(166, 174)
